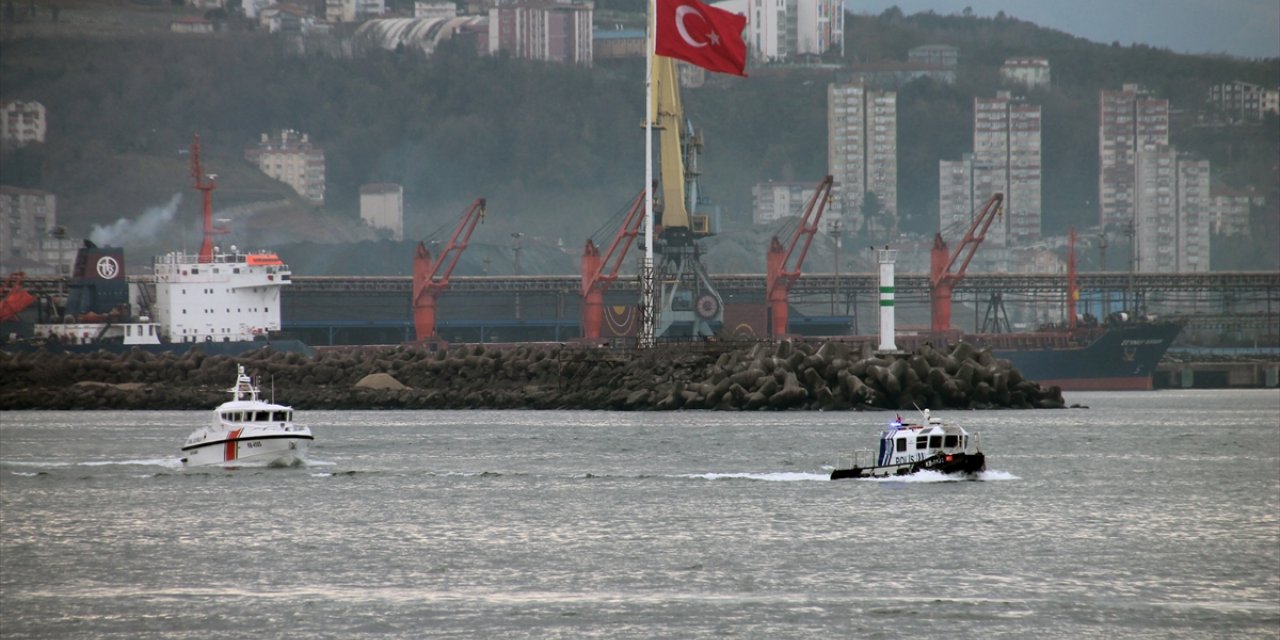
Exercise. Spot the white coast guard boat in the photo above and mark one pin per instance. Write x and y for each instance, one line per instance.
(247, 431)
(907, 448)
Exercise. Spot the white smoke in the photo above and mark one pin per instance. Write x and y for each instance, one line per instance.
(137, 230)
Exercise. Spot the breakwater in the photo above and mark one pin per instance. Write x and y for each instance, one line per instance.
(712, 376)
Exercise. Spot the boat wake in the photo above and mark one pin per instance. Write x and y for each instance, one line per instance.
(776, 476)
(929, 477)
(167, 463)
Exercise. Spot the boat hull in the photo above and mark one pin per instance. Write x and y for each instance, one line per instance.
(951, 463)
(265, 450)
(1120, 358)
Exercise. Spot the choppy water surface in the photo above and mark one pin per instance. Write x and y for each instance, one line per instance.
(1149, 515)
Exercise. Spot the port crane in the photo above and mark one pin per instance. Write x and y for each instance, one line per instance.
(687, 304)
(431, 276)
(941, 277)
(780, 276)
(600, 271)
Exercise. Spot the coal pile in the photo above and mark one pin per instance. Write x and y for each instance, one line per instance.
(710, 376)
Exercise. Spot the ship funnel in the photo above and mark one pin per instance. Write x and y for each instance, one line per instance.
(886, 258)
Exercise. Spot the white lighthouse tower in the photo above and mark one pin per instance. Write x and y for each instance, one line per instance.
(886, 258)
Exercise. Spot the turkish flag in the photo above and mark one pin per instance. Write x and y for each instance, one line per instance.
(701, 34)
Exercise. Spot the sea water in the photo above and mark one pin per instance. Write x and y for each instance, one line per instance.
(1146, 515)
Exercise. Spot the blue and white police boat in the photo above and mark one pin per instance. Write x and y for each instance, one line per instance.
(247, 431)
(907, 448)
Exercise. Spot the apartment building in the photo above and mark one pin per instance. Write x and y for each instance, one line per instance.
(1006, 159)
(1230, 210)
(542, 30)
(1029, 72)
(1129, 121)
(289, 156)
(862, 154)
(353, 10)
(941, 55)
(1242, 101)
(1172, 205)
(783, 30)
(382, 207)
(27, 216)
(772, 201)
(21, 123)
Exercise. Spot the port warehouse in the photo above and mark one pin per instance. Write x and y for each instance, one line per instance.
(347, 310)
(377, 310)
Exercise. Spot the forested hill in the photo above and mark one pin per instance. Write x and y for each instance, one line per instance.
(557, 149)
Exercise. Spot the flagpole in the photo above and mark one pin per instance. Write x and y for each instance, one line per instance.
(647, 339)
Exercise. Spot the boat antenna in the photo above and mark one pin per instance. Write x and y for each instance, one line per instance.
(273, 388)
(918, 410)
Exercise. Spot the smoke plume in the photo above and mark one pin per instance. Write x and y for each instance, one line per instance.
(138, 230)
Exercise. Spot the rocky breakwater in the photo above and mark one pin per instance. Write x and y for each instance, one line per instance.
(715, 376)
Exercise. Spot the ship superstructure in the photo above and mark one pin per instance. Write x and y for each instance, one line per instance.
(234, 297)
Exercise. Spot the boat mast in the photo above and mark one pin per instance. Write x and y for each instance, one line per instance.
(647, 339)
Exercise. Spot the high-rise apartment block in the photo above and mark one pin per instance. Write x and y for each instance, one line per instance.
(540, 30)
(772, 201)
(289, 157)
(26, 218)
(1173, 211)
(21, 123)
(382, 207)
(1006, 159)
(1129, 121)
(862, 153)
(780, 30)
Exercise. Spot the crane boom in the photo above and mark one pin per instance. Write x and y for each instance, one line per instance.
(781, 276)
(598, 272)
(431, 277)
(941, 278)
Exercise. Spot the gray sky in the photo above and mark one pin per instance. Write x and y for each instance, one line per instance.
(1246, 28)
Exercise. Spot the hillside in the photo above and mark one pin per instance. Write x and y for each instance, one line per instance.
(555, 149)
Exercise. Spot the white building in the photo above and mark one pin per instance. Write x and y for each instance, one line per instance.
(1006, 145)
(336, 11)
(21, 123)
(862, 153)
(1130, 120)
(27, 216)
(1172, 205)
(382, 207)
(782, 30)
(291, 158)
(1028, 72)
(772, 201)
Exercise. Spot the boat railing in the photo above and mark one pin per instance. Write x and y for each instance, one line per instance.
(861, 458)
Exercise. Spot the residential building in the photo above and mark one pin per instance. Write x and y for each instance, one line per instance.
(27, 216)
(618, 43)
(382, 207)
(1242, 101)
(21, 123)
(942, 55)
(1129, 121)
(1230, 210)
(964, 188)
(785, 30)
(772, 201)
(353, 10)
(862, 154)
(1006, 159)
(441, 10)
(289, 157)
(1032, 73)
(1172, 212)
(542, 30)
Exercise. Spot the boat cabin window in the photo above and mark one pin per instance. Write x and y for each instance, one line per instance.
(261, 416)
(922, 442)
(902, 443)
(935, 441)
(951, 441)
(280, 416)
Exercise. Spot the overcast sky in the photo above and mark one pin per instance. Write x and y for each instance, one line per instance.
(1247, 28)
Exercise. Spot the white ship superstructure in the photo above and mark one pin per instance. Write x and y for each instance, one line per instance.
(233, 297)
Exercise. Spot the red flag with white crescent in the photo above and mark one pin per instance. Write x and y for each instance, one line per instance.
(701, 34)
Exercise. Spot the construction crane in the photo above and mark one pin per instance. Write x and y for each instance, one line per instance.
(13, 297)
(780, 275)
(206, 193)
(941, 278)
(431, 277)
(598, 272)
(687, 304)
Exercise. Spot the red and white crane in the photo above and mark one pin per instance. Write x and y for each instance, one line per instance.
(600, 271)
(206, 192)
(780, 275)
(941, 278)
(431, 277)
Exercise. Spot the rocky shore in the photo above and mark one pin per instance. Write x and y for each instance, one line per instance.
(723, 377)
